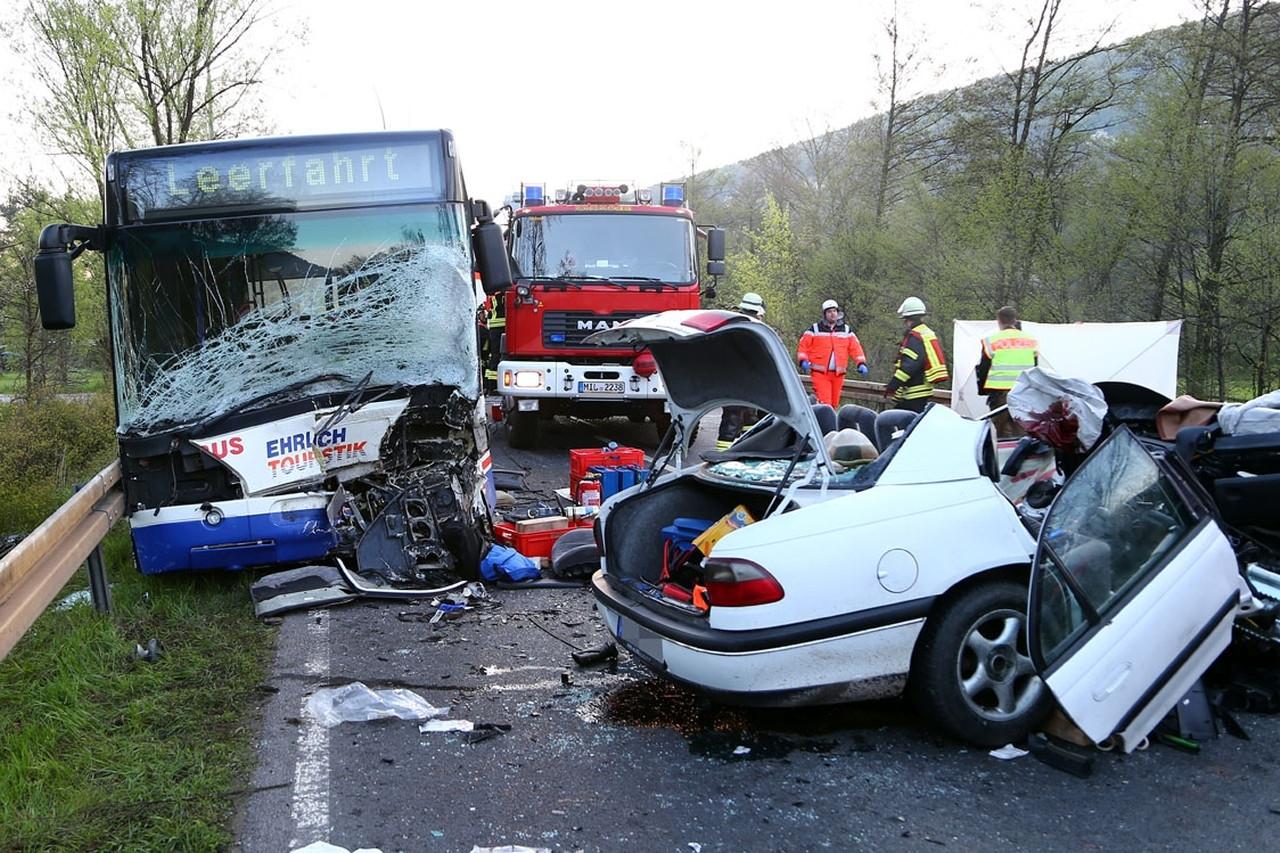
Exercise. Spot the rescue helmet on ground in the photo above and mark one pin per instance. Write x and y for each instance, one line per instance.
(829, 304)
(912, 306)
(752, 304)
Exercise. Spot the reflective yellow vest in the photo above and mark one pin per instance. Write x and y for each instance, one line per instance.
(1011, 351)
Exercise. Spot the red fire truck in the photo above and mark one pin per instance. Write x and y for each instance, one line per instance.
(589, 258)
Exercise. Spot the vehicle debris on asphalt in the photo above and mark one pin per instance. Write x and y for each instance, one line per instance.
(446, 726)
(357, 703)
(1008, 752)
(150, 653)
(595, 657)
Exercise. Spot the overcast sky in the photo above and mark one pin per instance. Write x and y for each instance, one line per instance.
(558, 91)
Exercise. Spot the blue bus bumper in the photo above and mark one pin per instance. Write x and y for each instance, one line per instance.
(235, 534)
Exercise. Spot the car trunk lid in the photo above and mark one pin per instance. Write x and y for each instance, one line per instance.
(711, 358)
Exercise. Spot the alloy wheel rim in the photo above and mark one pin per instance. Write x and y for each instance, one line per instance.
(993, 670)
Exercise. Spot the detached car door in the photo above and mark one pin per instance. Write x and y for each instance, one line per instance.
(1133, 591)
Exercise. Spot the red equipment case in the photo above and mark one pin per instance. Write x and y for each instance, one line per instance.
(538, 543)
(581, 460)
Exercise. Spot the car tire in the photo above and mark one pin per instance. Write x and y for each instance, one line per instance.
(971, 673)
(522, 430)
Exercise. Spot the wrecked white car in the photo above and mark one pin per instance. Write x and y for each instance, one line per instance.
(906, 572)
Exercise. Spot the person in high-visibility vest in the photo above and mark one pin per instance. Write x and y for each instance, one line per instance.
(735, 420)
(920, 365)
(1005, 354)
(825, 350)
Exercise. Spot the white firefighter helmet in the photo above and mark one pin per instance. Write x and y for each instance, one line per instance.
(752, 304)
(830, 303)
(912, 306)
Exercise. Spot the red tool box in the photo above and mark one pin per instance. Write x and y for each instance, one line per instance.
(537, 543)
(581, 460)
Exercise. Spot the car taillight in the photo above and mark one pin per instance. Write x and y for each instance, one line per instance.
(645, 364)
(732, 582)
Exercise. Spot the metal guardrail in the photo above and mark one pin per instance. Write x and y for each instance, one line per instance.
(870, 394)
(33, 573)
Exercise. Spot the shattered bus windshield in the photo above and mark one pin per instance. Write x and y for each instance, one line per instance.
(215, 315)
(607, 245)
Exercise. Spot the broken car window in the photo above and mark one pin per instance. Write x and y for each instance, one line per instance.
(1112, 526)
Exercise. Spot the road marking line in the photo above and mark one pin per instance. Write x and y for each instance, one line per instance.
(311, 771)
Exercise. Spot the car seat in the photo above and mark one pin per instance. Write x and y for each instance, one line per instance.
(853, 416)
(826, 418)
(890, 422)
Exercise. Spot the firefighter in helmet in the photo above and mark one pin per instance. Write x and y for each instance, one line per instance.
(920, 365)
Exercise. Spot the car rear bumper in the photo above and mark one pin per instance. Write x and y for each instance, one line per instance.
(857, 656)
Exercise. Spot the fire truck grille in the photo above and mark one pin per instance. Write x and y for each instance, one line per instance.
(568, 328)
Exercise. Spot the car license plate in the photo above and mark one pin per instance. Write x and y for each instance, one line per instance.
(600, 387)
(640, 640)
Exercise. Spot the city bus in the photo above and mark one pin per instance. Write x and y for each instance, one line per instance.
(293, 339)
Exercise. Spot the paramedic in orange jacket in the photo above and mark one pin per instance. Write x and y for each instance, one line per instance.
(825, 350)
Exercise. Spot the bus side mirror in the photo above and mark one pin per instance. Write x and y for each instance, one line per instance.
(715, 268)
(55, 285)
(55, 289)
(491, 251)
(715, 247)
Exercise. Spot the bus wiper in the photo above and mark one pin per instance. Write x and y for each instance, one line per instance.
(355, 401)
(349, 403)
(270, 395)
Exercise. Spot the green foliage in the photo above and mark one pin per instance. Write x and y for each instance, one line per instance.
(1137, 182)
(44, 360)
(54, 445)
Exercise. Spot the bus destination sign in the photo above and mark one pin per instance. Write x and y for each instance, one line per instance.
(291, 177)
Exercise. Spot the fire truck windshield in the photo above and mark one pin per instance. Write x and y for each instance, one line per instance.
(620, 246)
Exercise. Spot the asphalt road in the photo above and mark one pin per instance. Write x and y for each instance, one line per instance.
(600, 760)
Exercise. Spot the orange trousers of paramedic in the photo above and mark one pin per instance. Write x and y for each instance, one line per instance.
(827, 386)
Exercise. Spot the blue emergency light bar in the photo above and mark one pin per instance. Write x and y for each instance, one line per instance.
(673, 195)
(533, 194)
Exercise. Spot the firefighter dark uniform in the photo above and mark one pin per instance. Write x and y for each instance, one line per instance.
(920, 366)
(495, 328)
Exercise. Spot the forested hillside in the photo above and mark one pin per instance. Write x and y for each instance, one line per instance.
(1134, 181)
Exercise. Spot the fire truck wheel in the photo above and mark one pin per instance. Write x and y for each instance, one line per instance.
(522, 430)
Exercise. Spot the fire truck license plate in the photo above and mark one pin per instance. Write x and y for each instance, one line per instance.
(600, 387)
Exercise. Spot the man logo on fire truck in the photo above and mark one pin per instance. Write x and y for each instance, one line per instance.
(632, 254)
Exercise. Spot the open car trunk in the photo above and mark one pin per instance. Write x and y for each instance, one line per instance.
(634, 537)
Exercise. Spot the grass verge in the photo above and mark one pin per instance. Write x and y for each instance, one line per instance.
(99, 750)
(79, 381)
